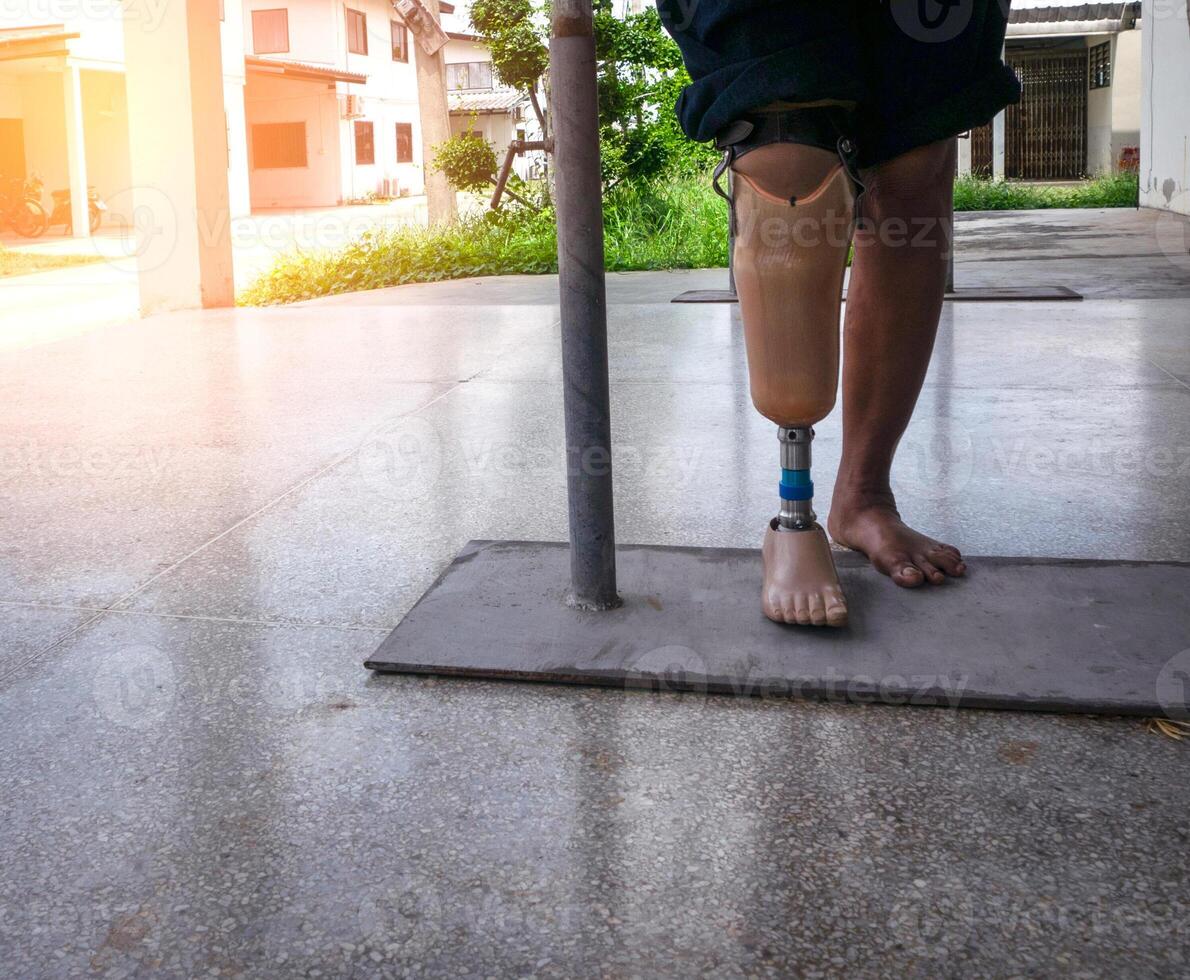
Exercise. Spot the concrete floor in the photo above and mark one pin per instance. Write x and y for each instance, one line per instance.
(48, 306)
(210, 520)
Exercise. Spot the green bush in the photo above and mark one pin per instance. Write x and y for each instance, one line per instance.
(468, 160)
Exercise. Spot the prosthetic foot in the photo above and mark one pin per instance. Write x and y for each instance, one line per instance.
(800, 582)
(794, 212)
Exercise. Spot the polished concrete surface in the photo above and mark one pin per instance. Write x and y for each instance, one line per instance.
(210, 520)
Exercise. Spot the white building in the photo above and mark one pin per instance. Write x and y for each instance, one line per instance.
(1165, 114)
(320, 99)
(1079, 115)
(480, 104)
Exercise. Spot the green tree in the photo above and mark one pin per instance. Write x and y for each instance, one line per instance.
(640, 77)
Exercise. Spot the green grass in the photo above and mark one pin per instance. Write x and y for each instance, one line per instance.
(23, 263)
(675, 225)
(975, 194)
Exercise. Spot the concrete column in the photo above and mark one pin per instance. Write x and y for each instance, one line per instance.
(434, 111)
(998, 141)
(964, 146)
(76, 151)
(177, 140)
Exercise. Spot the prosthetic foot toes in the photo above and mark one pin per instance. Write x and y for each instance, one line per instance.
(800, 582)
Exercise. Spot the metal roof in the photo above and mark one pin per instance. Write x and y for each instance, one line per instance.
(498, 100)
(1034, 17)
(14, 41)
(301, 69)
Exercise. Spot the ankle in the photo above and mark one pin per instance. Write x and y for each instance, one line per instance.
(854, 496)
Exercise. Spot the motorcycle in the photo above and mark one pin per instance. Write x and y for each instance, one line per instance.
(62, 216)
(20, 206)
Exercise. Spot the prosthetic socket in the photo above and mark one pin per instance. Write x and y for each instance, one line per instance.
(790, 258)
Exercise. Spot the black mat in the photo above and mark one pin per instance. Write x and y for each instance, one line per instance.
(974, 294)
(1035, 634)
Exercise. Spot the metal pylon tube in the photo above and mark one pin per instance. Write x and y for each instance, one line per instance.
(583, 302)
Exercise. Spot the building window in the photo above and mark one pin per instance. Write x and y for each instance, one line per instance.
(404, 142)
(365, 148)
(1100, 62)
(357, 31)
(277, 145)
(469, 75)
(400, 41)
(270, 31)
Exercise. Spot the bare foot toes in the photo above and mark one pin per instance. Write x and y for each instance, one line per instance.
(800, 582)
(872, 525)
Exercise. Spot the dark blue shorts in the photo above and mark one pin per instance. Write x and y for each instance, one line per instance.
(917, 71)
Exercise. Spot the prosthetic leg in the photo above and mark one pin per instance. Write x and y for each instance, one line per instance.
(789, 259)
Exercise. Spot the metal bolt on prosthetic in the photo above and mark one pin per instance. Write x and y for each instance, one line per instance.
(796, 487)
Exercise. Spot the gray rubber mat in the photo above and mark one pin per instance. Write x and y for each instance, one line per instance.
(1032, 634)
(973, 294)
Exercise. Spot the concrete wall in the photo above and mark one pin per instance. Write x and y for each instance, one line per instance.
(44, 112)
(1165, 108)
(273, 98)
(105, 133)
(10, 97)
(231, 40)
(1099, 119)
(1113, 112)
(457, 52)
(1125, 90)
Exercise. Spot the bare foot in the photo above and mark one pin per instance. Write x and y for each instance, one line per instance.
(800, 582)
(872, 525)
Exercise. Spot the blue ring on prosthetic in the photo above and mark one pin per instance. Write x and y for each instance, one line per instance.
(796, 485)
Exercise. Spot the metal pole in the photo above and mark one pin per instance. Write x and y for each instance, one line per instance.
(950, 257)
(730, 237)
(950, 237)
(583, 303)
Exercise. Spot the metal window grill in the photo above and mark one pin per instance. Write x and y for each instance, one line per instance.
(1099, 65)
(1046, 132)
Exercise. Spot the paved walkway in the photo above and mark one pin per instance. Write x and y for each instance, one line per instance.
(210, 519)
